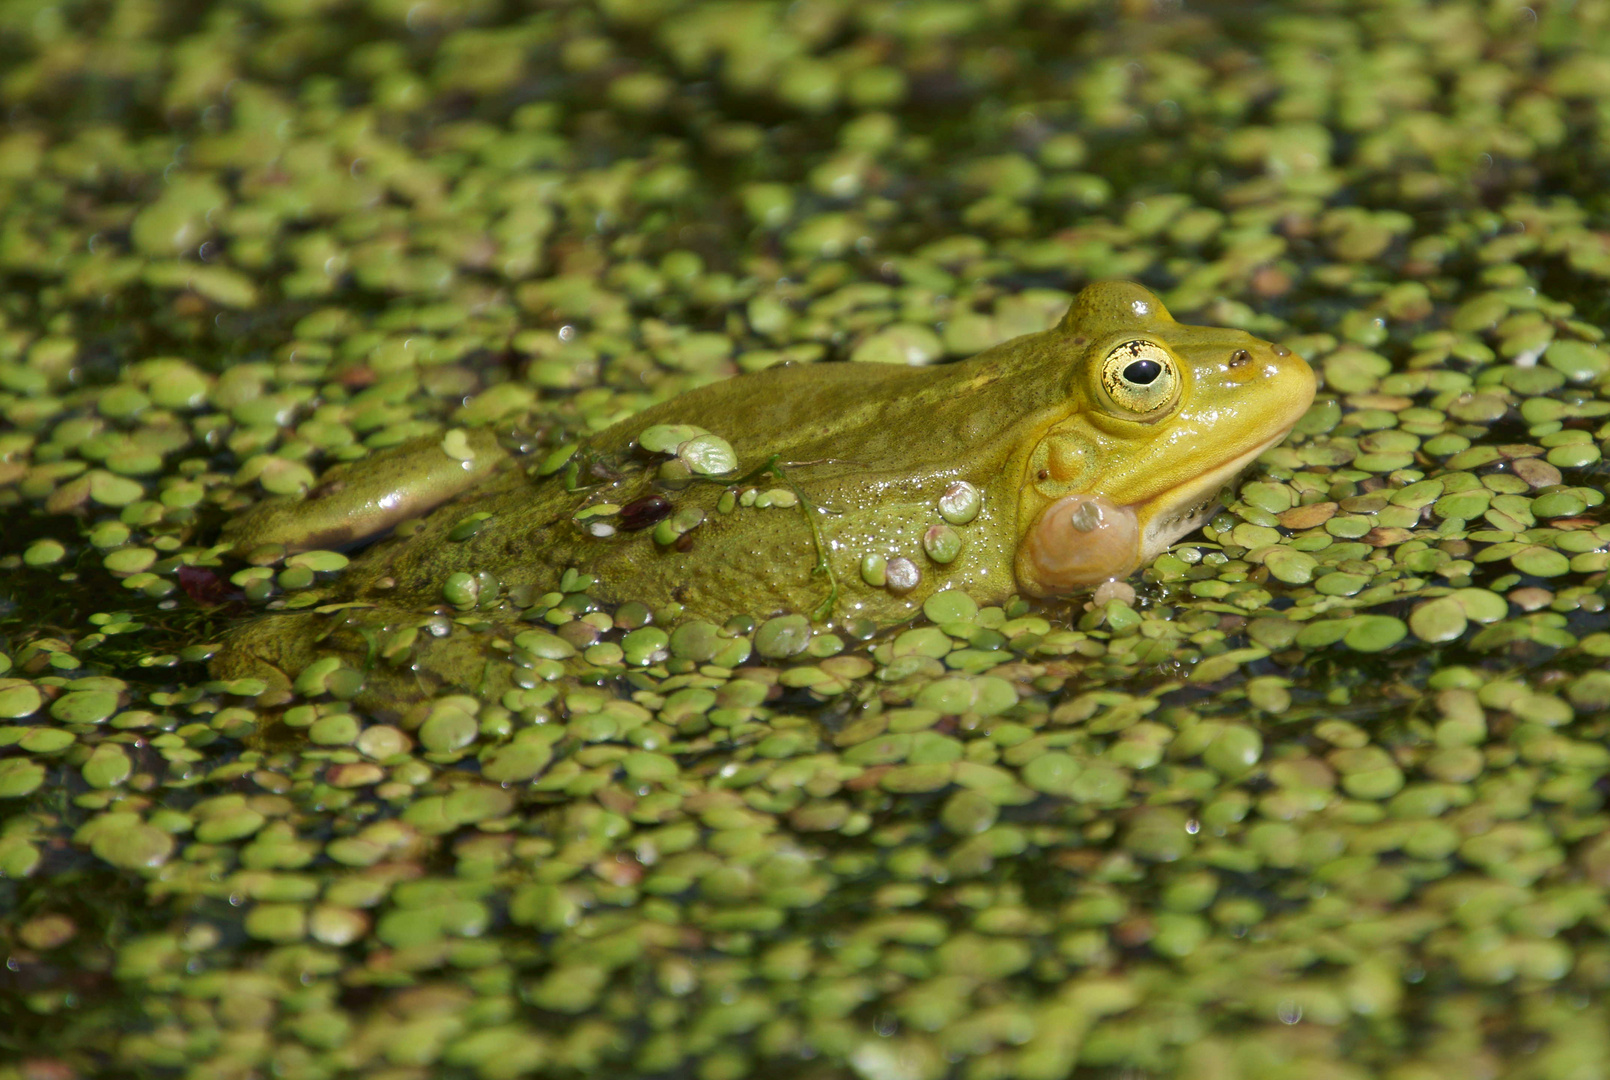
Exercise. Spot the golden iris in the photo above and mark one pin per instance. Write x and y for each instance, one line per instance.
(1140, 377)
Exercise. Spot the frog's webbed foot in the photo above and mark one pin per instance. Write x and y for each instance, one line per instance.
(400, 666)
(273, 648)
(1077, 542)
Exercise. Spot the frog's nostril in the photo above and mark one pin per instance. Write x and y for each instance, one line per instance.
(1240, 358)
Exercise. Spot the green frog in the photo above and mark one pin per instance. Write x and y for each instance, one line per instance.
(1044, 466)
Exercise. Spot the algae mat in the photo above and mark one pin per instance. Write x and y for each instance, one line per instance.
(1322, 797)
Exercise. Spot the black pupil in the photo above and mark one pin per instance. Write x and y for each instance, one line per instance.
(1143, 372)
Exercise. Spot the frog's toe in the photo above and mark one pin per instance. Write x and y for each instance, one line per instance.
(1077, 542)
(274, 648)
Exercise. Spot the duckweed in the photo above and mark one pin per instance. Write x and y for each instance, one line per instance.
(19, 699)
(708, 455)
(942, 543)
(84, 706)
(960, 502)
(1335, 765)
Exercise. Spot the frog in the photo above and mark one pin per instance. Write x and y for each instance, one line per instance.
(840, 492)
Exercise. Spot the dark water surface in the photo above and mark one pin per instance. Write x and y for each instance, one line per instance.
(1323, 798)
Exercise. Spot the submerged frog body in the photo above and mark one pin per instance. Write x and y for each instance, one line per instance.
(1043, 466)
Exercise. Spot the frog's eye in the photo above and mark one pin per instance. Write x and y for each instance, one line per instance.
(1140, 377)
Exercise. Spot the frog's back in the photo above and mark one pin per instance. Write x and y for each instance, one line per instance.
(869, 446)
(864, 416)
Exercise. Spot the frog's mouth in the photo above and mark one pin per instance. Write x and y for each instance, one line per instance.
(1186, 507)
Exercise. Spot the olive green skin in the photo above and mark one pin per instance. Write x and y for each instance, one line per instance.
(836, 432)
(868, 447)
(832, 422)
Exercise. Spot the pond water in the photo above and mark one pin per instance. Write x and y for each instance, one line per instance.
(1322, 794)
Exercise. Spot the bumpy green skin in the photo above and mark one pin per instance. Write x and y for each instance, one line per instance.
(868, 447)
(842, 436)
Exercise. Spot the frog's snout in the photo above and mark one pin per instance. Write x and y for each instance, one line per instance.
(1292, 383)
(1077, 542)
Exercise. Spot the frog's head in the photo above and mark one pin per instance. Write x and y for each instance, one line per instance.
(1161, 417)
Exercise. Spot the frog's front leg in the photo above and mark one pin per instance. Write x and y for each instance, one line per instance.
(1077, 542)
